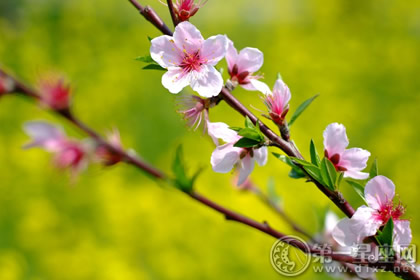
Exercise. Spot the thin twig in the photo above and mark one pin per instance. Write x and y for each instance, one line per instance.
(172, 12)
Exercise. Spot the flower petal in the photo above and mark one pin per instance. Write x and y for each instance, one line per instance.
(261, 155)
(402, 235)
(231, 55)
(364, 223)
(214, 49)
(356, 175)
(245, 168)
(175, 79)
(343, 235)
(250, 60)
(44, 135)
(224, 158)
(208, 82)
(254, 84)
(335, 139)
(354, 159)
(164, 51)
(331, 221)
(188, 38)
(379, 191)
(282, 93)
(219, 130)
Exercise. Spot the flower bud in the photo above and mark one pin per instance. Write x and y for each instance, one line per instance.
(55, 94)
(184, 9)
(108, 156)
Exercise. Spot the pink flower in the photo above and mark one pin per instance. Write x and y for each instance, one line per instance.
(226, 156)
(351, 161)
(277, 102)
(67, 153)
(185, 9)
(6, 84)
(55, 94)
(190, 60)
(242, 66)
(379, 195)
(107, 156)
(194, 110)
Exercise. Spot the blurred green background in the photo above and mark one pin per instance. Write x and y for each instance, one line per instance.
(116, 223)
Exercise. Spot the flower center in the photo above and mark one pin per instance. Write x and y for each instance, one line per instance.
(388, 211)
(192, 62)
(241, 78)
(335, 159)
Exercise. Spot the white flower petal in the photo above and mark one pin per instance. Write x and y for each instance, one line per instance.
(187, 37)
(356, 175)
(261, 156)
(245, 168)
(354, 159)
(283, 92)
(219, 130)
(379, 191)
(402, 235)
(335, 139)
(364, 223)
(43, 135)
(224, 158)
(255, 84)
(231, 55)
(164, 51)
(343, 235)
(208, 82)
(175, 79)
(250, 60)
(214, 49)
(331, 221)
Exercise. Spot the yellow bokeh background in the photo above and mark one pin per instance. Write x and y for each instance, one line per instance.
(116, 223)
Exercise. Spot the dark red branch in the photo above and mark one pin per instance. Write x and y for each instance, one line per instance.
(172, 12)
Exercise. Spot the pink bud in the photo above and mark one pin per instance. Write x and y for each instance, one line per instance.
(185, 9)
(55, 94)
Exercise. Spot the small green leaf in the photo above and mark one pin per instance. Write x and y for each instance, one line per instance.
(374, 169)
(359, 189)
(149, 38)
(314, 172)
(296, 172)
(339, 179)
(328, 174)
(182, 181)
(246, 143)
(153, 67)
(301, 161)
(314, 154)
(385, 236)
(279, 77)
(302, 107)
(145, 59)
(251, 133)
(248, 123)
(235, 128)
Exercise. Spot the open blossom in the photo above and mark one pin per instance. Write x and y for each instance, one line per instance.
(242, 66)
(367, 220)
(194, 110)
(184, 9)
(68, 153)
(351, 161)
(107, 156)
(190, 60)
(226, 156)
(55, 94)
(334, 268)
(277, 102)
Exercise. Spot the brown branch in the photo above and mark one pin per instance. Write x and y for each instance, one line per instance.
(172, 12)
(150, 15)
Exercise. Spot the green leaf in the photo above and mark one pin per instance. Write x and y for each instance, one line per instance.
(314, 172)
(296, 172)
(385, 236)
(279, 77)
(328, 174)
(339, 179)
(182, 181)
(359, 189)
(301, 161)
(251, 133)
(374, 169)
(146, 59)
(302, 107)
(314, 154)
(246, 143)
(248, 123)
(235, 128)
(149, 38)
(153, 67)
